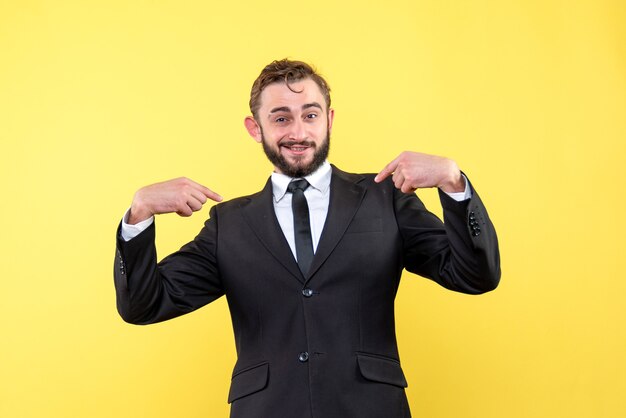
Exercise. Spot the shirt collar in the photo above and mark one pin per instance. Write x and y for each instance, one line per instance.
(319, 180)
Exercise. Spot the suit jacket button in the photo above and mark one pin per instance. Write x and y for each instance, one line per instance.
(303, 357)
(307, 293)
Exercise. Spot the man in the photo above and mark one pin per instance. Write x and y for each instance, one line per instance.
(310, 268)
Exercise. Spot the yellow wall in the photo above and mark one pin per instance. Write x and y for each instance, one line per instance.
(99, 98)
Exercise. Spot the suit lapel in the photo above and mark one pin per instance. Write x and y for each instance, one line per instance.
(258, 211)
(346, 196)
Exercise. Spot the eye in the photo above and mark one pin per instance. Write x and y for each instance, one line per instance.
(311, 115)
(280, 120)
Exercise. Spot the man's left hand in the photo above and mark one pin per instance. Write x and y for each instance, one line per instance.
(413, 170)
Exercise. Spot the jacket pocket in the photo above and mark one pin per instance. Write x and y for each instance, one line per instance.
(248, 381)
(381, 369)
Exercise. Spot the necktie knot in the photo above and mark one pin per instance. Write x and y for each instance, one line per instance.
(300, 184)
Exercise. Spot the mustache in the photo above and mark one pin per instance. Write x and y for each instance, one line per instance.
(290, 143)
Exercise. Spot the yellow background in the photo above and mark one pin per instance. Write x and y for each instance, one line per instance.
(100, 98)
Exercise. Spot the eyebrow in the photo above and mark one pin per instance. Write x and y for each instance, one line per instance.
(280, 109)
(314, 104)
(304, 107)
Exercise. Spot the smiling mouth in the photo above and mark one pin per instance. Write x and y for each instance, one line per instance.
(296, 147)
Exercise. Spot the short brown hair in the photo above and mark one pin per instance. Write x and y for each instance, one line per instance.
(289, 72)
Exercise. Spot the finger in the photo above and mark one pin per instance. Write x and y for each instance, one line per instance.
(194, 204)
(387, 171)
(199, 196)
(209, 193)
(184, 211)
(212, 195)
(398, 180)
(205, 191)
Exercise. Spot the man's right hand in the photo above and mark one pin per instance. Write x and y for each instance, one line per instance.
(181, 195)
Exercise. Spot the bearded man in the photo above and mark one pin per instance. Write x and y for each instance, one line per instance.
(311, 264)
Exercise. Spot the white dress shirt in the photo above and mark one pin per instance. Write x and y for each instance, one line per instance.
(317, 196)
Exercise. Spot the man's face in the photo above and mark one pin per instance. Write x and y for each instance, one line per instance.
(294, 128)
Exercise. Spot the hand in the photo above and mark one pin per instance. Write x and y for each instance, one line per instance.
(414, 170)
(181, 195)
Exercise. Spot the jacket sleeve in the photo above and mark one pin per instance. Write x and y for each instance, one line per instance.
(184, 281)
(460, 254)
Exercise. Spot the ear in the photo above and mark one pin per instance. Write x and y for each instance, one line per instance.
(331, 116)
(253, 128)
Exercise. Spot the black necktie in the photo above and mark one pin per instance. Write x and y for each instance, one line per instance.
(301, 224)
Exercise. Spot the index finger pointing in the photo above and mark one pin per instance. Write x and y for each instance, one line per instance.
(387, 171)
(206, 191)
(211, 194)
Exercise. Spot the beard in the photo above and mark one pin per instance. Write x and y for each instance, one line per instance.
(298, 168)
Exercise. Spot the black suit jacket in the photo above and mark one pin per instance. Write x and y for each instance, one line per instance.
(320, 345)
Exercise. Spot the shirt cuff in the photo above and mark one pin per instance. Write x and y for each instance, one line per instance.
(460, 196)
(129, 232)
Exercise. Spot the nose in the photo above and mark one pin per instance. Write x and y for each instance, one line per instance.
(298, 130)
